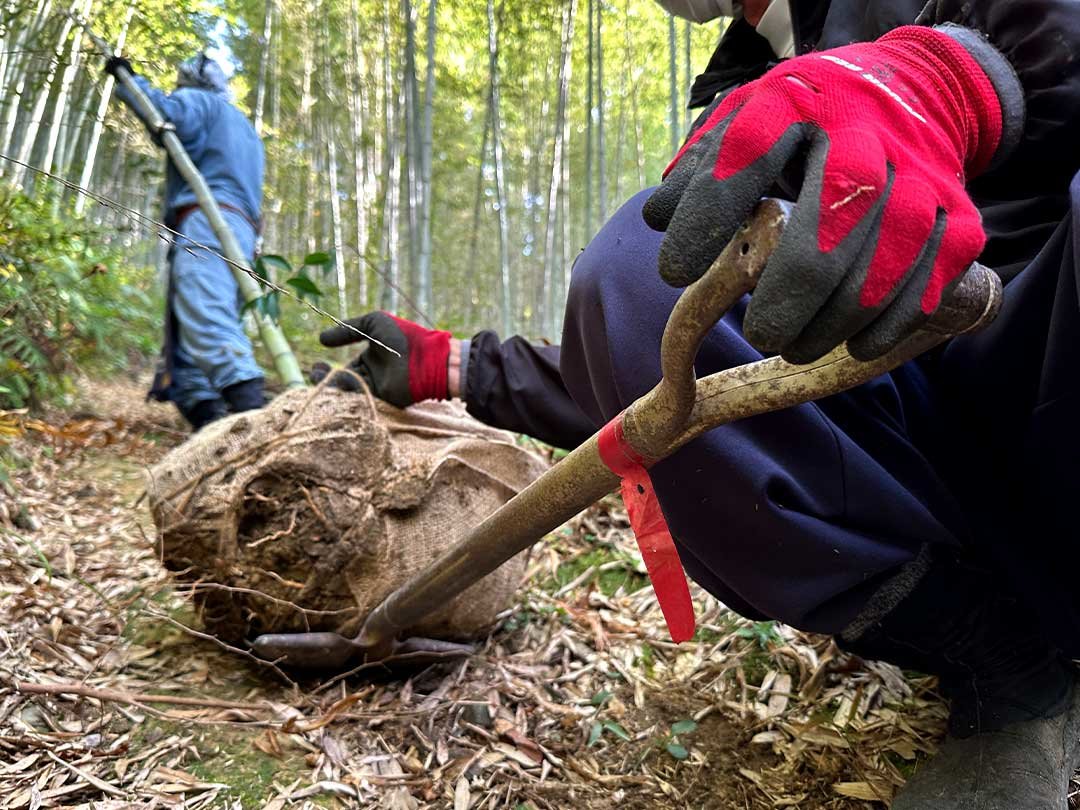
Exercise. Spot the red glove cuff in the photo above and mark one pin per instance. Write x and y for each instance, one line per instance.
(429, 352)
(977, 118)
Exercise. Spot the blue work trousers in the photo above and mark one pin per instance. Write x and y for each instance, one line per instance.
(810, 514)
(209, 350)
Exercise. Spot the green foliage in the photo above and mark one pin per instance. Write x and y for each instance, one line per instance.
(301, 284)
(615, 571)
(670, 742)
(764, 633)
(66, 303)
(601, 697)
(597, 729)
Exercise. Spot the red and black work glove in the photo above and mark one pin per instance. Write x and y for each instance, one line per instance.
(886, 133)
(419, 372)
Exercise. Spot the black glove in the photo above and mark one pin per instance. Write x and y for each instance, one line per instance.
(114, 63)
(417, 372)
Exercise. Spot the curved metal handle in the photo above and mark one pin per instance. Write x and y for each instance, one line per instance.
(653, 421)
(681, 407)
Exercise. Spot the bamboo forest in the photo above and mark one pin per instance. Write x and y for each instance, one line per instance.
(437, 153)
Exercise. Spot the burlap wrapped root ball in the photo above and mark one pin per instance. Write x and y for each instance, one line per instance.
(305, 515)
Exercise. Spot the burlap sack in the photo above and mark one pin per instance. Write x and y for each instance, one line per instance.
(304, 515)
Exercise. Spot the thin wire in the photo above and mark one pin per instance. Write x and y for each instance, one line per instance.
(145, 221)
(375, 268)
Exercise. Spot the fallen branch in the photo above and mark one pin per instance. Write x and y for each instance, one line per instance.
(132, 698)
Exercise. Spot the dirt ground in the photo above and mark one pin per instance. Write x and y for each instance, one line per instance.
(110, 696)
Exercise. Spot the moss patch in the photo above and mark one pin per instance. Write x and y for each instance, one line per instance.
(228, 756)
(608, 578)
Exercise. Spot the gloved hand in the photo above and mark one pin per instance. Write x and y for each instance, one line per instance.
(419, 373)
(114, 63)
(889, 131)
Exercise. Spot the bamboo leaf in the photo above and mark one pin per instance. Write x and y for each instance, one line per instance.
(677, 751)
(272, 261)
(304, 286)
(617, 730)
(595, 730)
(683, 727)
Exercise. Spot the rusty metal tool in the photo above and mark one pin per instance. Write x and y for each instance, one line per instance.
(677, 410)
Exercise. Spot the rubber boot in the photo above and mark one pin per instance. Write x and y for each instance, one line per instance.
(1024, 766)
(1014, 722)
(245, 396)
(203, 412)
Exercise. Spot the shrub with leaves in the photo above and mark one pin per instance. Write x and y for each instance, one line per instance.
(67, 302)
(300, 285)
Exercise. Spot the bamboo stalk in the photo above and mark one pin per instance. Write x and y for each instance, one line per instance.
(283, 358)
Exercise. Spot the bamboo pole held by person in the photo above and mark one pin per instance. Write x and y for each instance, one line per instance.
(272, 336)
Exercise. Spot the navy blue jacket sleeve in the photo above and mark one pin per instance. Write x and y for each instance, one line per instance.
(1041, 41)
(516, 385)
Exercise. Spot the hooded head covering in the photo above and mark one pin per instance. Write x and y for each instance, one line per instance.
(700, 11)
(203, 72)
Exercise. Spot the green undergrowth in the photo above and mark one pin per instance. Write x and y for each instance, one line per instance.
(608, 579)
(68, 302)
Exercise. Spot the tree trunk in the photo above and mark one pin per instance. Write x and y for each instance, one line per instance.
(424, 298)
(74, 134)
(26, 148)
(307, 231)
(388, 246)
(329, 106)
(566, 238)
(552, 299)
(673, 75)
(272, 207)
(639, 154)
(412, 143)
(264, 64)
(620, 138)
(589, 128)
(360, 157)
(601, 145)
(63, 91)
(18, 70)
(500, 181)
(116, 179)
(688, 75)
(474, 237)
(276, 45)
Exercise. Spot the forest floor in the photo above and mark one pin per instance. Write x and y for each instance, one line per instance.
(575, 700)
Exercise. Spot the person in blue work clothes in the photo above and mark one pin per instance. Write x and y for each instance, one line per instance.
(927, 518)
(209, 366)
